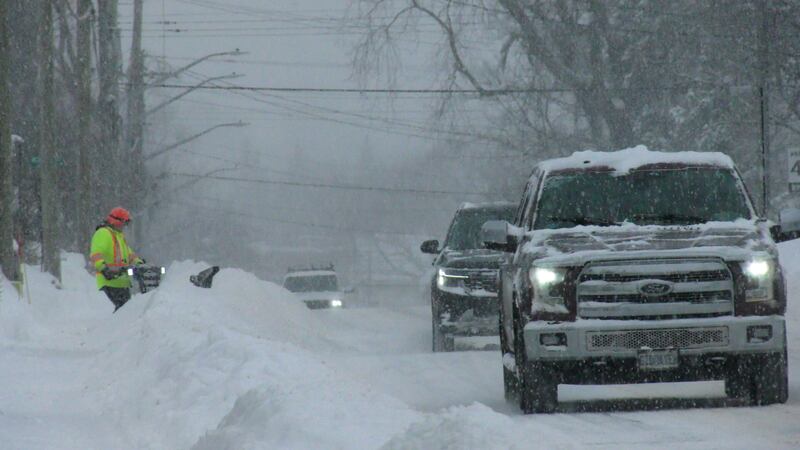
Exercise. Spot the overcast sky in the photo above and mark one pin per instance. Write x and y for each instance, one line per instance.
(293, 44)
(375, 140)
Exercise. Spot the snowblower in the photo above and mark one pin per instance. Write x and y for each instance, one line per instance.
(146, 277)
(205, 277)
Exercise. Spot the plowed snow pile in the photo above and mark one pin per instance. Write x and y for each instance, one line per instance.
(245, 365)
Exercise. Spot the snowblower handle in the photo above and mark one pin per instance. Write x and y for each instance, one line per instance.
(110, 273)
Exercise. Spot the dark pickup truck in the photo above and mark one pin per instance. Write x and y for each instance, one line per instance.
(464, 285)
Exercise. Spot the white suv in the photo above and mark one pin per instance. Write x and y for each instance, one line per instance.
(317, 288)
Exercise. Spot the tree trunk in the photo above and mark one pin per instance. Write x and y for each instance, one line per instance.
(7, 260)
(84, 112)
(51, 258)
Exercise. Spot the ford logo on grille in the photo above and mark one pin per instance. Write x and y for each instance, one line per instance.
(655, 288)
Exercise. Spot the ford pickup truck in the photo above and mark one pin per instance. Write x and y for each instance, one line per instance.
(638, 266)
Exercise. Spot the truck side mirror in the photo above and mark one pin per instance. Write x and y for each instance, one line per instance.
(431, 246)
(788, 227)
(495, 235)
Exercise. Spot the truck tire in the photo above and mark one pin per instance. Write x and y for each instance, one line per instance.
(762, 382)
(510, 382)
(538, 391)
(538, 383)
(738, 382)
(441, 342)
(771, 381)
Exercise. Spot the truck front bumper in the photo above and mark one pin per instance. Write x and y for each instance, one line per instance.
(610, 350)
(467, 315)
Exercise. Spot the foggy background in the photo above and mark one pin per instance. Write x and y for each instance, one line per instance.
(356, 179)
(286, 133)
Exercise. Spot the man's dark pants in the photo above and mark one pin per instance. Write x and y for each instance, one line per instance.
(118, 296)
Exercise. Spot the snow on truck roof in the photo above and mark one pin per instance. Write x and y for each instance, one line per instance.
(622, 162)
(487, 205)
(309, 273)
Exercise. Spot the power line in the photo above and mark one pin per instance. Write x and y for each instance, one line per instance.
(229, 213)
(481, 92)
(351, 187)
(416, 129)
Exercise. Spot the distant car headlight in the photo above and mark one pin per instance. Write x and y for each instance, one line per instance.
(336, 303)
(548, 289)
(450, 278)
(759, 274)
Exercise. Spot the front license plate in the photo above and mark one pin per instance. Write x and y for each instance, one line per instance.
(658, 359)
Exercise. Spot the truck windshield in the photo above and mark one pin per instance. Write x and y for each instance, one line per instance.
(465, 230)
(645, 197)
(313, 283)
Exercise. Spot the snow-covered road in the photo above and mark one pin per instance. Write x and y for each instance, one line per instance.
(243, 365)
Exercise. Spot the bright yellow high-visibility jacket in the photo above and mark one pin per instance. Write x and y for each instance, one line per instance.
(109, 249)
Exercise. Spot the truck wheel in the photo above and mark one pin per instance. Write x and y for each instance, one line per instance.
(538, 391)
(538, 384)
(441, 342)
(738, 382)
(771, 382)
(762, 382)
(510, 382)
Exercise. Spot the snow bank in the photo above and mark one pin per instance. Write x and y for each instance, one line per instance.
(179, 361)
(244, 365)
(16, 322)
(28, 318)
(472, 427)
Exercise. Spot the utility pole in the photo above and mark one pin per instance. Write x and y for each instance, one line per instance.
(764, 73)
(135, 119)
(51, 258)
(85, 141)
(8, 263)
(108, 67)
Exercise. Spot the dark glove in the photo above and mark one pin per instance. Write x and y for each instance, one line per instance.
(110, 273)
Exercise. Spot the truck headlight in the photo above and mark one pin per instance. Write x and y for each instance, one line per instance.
(450, 278)
(758, 274)
(336, 303)
(756, 268)
(548, 289)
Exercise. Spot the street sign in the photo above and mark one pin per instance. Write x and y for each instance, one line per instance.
(793, 163)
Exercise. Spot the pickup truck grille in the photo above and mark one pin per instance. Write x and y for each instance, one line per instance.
(680, 338)
(485, 280)
(708, 275)
(694, 297)
(655, 289)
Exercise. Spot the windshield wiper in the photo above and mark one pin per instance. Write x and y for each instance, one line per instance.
(584, 221)
(670, 218)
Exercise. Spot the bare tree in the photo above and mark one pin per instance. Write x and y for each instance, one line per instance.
(7, 260)
(51, 260)
(85, 141)
(606, 74)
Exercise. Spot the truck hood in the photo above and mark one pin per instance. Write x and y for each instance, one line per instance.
(732, 241)
(471, 259)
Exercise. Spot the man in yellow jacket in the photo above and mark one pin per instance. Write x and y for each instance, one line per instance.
(111, 256)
